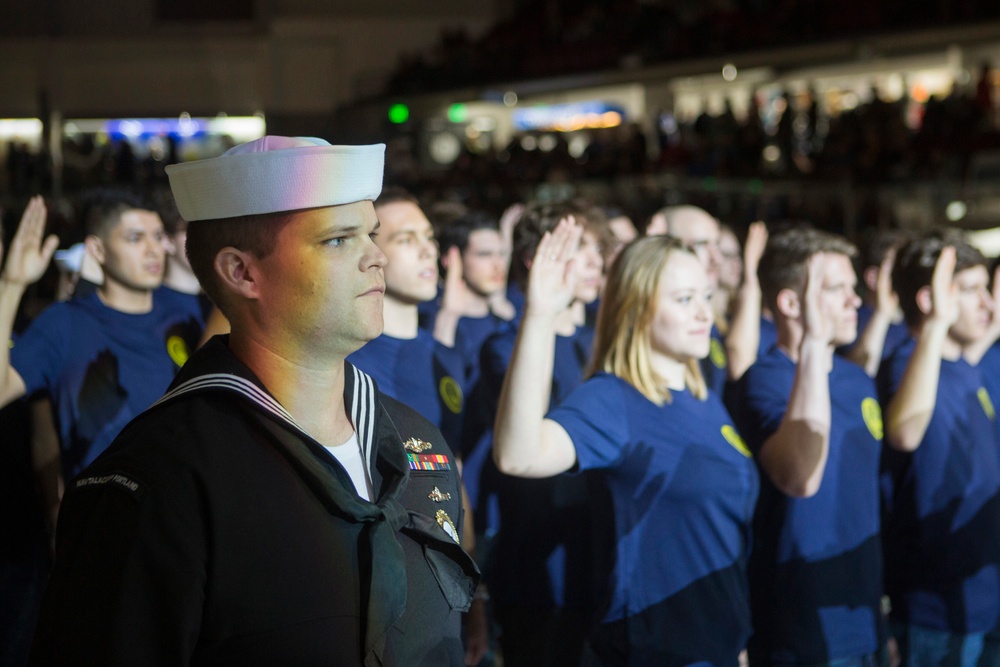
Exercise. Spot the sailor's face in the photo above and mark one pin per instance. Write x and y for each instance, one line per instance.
(323, 283)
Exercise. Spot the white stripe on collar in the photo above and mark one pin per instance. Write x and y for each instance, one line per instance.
(232, 383)
(363, 412)
(362, 403)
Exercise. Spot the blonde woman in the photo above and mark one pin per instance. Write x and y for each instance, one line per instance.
(682, 483)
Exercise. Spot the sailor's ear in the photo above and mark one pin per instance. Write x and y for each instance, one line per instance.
(238, 271)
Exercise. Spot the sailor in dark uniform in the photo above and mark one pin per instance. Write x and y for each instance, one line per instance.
(273, 507)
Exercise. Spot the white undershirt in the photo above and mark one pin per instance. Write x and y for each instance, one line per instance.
(349, 456)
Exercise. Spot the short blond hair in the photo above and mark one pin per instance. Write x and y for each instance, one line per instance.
(622, 342)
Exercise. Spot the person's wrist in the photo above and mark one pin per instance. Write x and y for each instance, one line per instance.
(8, 285)
(815, 341)
(541, 311)
(935, 325)
(883, 314)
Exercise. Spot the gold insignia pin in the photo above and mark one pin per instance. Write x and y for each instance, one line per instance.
(437, 496)
(417, 445)
(447, 525)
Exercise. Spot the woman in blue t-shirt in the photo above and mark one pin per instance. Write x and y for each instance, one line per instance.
(682, 483)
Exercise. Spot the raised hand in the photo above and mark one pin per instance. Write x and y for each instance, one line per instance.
(886, 299)
(551, 279)
(501, 306)
(28, 255)
(753, 249)
(452, 296)
(816, 319)
(507, 223)
(944, 292)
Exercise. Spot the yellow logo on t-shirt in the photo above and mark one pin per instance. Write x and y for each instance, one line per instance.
(451, 394)
(734, 439)
(717, 353)
(178, 350)
(984, 400)
(871, 412)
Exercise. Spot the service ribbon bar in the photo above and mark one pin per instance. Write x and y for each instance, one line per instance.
(428, 461)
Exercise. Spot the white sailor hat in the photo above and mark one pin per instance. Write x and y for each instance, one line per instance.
(275, 174)
(70, 260)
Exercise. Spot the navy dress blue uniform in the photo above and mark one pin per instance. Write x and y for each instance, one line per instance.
(816, 566)
(215, 531)
(683, 488)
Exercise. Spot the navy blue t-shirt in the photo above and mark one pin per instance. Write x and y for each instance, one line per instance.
(768, 336)
(683, 488)
(989, 370)
(942, 529)
(572, 355)
(816, 566)
(421, 373)
(101, 367)
(895, 335)
(544, 527)
(470, 335)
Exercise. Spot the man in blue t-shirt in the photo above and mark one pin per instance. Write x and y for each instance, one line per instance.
(814, 425)
(107, 356)
(941, 477)
(475, 260)
(880, 320)
(406, 360)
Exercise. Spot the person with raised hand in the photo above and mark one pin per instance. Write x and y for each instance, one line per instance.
(543, 556)
(104, 357)
(682, 483)
(880, 320)
(475, 260)
(812, 420)
(750, 334)
(941, 480)
(27, 258)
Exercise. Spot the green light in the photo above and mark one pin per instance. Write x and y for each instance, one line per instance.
(399, 113)
(457, 113)
(711, 184)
